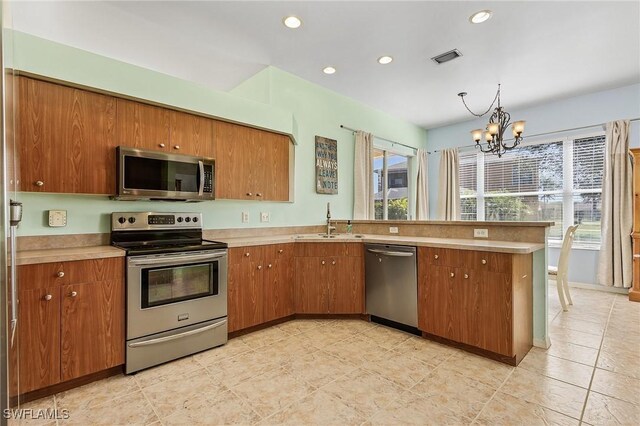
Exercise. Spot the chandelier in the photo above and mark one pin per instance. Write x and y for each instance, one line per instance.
(495, 131)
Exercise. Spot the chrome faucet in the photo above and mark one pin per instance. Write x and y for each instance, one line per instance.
(329, 226)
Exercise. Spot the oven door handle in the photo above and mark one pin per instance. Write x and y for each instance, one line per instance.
(168, 260)
(201, 167)
(177, 336)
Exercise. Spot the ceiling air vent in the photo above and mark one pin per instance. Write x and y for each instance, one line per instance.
(447, 56)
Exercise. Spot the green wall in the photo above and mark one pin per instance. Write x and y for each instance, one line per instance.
(271, 99)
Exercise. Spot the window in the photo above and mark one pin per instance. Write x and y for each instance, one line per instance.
(559, 181)
(391, 184)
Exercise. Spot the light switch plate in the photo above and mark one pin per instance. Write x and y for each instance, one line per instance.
(265, 217)
(245, 217)
(480, 233)
(393, 229)
(57, 218)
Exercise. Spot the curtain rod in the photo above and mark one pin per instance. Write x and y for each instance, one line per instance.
(382, 139)
(542, 134)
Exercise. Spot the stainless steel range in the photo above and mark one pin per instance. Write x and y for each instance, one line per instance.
(176, 286)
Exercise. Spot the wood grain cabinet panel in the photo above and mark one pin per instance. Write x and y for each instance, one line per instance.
(38, 338)
(143, 126)
(311, 285)
(346, 285)
(278, 289)
(92, 328)
(66, 139)
(191, 135)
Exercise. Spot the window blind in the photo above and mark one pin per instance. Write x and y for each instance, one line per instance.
(588, 163)
(468, 173)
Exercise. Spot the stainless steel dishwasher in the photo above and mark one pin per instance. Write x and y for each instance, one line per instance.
(391, 284)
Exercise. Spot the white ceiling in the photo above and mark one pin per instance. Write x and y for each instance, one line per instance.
(538, 51)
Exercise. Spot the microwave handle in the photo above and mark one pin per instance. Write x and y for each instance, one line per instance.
(201, 189)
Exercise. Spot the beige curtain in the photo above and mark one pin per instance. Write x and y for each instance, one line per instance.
(363, 177)
(615, 260)
(449, 185)
(422, 192)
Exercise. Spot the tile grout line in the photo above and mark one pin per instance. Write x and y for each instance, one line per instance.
(493, 395)
(595, 364)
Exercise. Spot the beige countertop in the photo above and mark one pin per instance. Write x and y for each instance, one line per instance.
(28, 257)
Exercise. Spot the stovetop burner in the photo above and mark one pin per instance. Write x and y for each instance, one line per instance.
(143, 233)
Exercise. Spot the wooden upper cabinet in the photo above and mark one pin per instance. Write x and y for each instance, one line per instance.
(143, 126)
(191, 134)
(66, 139)
(251, 164)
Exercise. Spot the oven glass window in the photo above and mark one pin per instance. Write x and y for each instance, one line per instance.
(161, 286)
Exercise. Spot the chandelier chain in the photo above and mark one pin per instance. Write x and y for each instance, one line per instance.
(488, 109)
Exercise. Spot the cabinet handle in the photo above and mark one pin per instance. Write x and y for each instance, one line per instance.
(73, 294)
(161, 145)
(466, 276)
(280, 251)
(259, 266)
(60, 274)
(48, 297)
(258, 194)
(323, 262)
(247, 254)
(249, 194)
(452, 274)
(39, 183)
(270, 265)
(176, 147)
(524, 276)
(436, 257)
(333, 263)
(484, 261)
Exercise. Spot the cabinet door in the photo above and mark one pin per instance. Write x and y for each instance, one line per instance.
(38, 338)
(92, 327)
(235, 161)
(272, 179)
(191, 134)
(66, 139)
(346, 285)
(311, 285)
(468, 300)
(278, 289)
(496, 321)
(142, 126)
(438, 312)
(244, 288)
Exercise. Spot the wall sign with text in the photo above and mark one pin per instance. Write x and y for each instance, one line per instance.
(326, 165)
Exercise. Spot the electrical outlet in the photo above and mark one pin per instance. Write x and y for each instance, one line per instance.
(393, 229)
(480, 233)
(245, 217)
(265, 217)
(57, 218)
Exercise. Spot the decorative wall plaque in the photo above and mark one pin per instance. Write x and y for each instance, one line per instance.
(326, 166)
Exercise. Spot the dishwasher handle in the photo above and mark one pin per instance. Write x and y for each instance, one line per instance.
(391, 253)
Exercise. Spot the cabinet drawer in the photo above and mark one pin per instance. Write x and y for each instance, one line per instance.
(322, 249)
(94, 270)
(42, 275)
(491, 262)
(246, 254)
(448, 257)
(278, 251)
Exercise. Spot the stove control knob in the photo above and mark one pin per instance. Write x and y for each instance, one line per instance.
(180, 219)
(132, 219)
(122, 219)
(187, 219)
(195, 219)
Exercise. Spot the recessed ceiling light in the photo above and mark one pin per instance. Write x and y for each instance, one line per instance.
(329, 70)
(384, 60)
(480, 17)
(291, 22)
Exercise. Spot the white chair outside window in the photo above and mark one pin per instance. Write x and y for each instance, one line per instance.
(561, 272)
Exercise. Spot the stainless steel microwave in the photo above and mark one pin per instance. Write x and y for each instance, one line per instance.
(153, 175)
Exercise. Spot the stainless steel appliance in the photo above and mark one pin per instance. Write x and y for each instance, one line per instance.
(176, 286)
(144, 174)
(391, 285)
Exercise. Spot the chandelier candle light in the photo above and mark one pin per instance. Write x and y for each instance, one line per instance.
(496, 128)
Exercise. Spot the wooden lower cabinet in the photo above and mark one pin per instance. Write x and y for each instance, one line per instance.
(479, 299)
(333, 283)
(68, 328)
(260, 285)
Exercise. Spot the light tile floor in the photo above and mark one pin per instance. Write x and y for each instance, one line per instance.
(340, 372)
